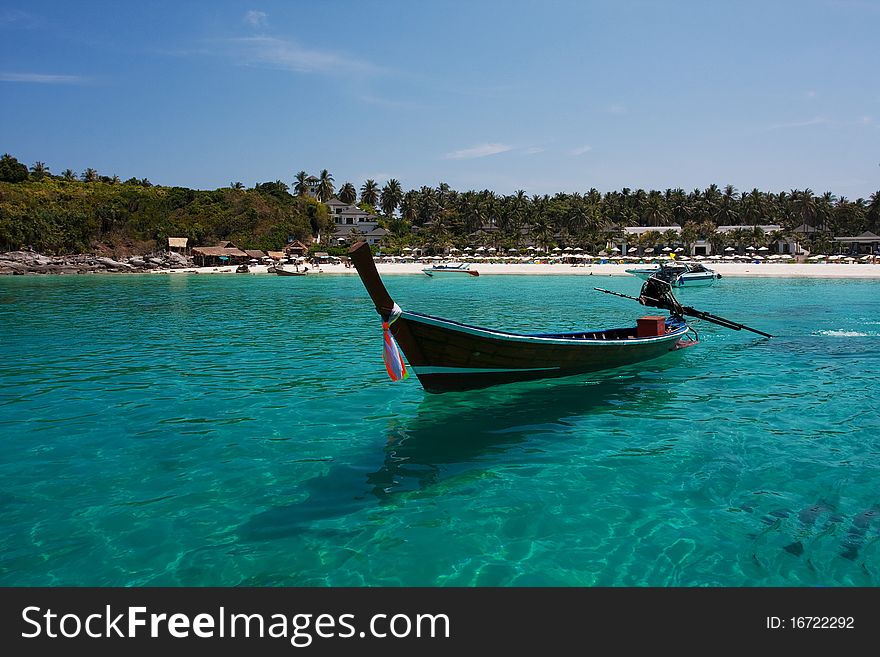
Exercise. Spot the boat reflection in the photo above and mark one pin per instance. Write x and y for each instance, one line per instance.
(453, 433)
(456, 433)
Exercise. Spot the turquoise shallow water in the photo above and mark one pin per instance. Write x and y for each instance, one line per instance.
(241, 430)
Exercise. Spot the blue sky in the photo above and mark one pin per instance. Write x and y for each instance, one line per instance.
(481, 94)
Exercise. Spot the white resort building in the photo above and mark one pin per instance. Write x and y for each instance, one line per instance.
(353, 224)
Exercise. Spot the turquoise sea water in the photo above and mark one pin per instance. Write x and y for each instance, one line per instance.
(241, 430)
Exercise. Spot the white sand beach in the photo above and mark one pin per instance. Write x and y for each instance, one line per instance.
(728, 269)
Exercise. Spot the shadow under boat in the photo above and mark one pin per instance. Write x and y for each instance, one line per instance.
(457, 433)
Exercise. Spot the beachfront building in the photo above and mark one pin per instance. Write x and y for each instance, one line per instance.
(652, 240)
(178, 244)
(255, 254)
(867, 243)
(643, 240)
(212, 256)
(353, 224)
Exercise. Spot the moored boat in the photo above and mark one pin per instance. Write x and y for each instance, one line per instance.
(450, 356)
(679, 274)
(450, 269)
(281, 270)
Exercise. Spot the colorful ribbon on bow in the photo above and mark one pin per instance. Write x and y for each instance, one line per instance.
(391, 352)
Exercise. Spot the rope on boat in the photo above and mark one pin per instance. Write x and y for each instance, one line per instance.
(390, 351)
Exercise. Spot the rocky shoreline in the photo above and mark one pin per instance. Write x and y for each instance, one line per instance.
(29, 262)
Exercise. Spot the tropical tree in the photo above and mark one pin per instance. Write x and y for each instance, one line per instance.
(236, 185)
(370, 192)
(68, 175)
(90, 175)
(804, 206)
(391, 197)
(873, 212)
(301, 188)
(324, 191)
(347, 193)
(11, 170)
(39, 170)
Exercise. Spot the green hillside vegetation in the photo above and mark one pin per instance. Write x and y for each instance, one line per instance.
(56, 215)
(67, 214)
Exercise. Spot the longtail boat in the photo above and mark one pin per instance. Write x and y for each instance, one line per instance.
(447, 269)
(450, 356)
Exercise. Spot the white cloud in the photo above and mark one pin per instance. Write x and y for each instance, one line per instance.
(818, 120)
(391, 103)
(533, 150)
(256, 18)
(41, 78)
(293, 57)
(17, 17)
(581, 150)
(482, 150)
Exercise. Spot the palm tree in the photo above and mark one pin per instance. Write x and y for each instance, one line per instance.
(873, 213)
(236, 185)
(370, 193)
(409, 206)
(39, 170)
(347, 193)
(69, 175)
(90, 175)
(302, 185)
(391, 197)
(804, 204)
(325, 186)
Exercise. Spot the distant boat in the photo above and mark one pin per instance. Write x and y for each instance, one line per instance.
(242, 269)
(450, 356)
(449, 269)
(281, 271)
(679, 274)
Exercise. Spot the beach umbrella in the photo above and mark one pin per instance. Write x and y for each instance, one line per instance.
(453, 250)
(481, 248)
(556, 248)
(530, 248)
(631, 249)
(578, 249)
(729, 249)
(511, 250)
(763, 248)
(650, 249)
(667, 249)
(568, 248)
(467, 248)
(492, 248)
(679, 249)
(615, 250)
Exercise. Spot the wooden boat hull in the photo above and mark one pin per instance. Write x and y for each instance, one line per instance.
(286, 272)
(447, 356)
(450, 356)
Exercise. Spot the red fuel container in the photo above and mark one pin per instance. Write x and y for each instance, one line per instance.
(650, 326)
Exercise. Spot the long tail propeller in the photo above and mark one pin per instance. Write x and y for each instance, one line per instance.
(657, 293)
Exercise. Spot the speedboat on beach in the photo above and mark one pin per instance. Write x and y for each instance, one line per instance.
(679, 274)
(448, 269)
